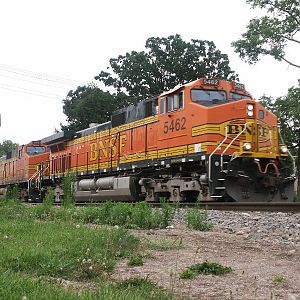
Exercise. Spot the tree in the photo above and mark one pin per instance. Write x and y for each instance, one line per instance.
(7, 146)
(271, 34)
(165, 63)
(287, 109)
(89, 104)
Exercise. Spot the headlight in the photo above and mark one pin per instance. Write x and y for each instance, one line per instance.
(247, 146)
(250, 110)
(283, 149)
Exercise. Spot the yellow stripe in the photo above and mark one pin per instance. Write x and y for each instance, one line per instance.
(115, 130)
(212, 128)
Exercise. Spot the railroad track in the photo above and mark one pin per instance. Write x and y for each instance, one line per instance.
(228, 206)
(245, 206)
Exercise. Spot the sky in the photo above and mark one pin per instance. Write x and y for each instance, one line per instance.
(50, 47)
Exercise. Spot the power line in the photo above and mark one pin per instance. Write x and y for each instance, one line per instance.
(31, 81)
(28, 91)
(36, 75)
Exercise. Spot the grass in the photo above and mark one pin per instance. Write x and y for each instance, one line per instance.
(59, 249)
(134, 216)
(197, 219)
(204, 268)
(20, 286)
(136, 260)
(42, 245)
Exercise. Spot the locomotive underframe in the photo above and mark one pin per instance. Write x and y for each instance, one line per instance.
(186, 179)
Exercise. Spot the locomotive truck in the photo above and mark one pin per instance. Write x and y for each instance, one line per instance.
(207, 140)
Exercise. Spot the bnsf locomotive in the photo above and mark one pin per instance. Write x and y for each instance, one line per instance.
(207, 140)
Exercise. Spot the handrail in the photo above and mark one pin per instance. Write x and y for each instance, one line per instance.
(33, 176)
(245, 127)
(44, 170)
(209, 158)
(290, 154)
(39, 172)
(238, 135)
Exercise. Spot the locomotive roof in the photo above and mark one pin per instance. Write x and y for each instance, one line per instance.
(93, 129)
(57, 137)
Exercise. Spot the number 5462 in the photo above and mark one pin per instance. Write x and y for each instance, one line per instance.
(175, 125)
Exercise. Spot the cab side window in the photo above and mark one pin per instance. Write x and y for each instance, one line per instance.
(171, 103)
(178, 101)
(162, 108)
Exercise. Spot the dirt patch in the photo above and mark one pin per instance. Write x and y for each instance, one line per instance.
(256, 264)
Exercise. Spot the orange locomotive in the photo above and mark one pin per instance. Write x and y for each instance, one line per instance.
(206, 140)
(22, 166)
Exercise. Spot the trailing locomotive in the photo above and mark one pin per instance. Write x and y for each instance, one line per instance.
(19, 166)
(206, 140)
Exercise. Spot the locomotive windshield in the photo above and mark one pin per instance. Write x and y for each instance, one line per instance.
(215, 97)
(208, 97)
(237, 96)
(32, 150)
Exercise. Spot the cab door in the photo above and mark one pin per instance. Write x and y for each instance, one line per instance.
(172, 128)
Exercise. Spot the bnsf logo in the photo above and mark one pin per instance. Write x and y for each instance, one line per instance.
(237, 128)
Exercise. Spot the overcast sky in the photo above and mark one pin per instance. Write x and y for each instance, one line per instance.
(50, 47)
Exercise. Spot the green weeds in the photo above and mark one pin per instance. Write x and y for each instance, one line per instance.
(205, 268)
(139, 215)
(145, 288)
(68, 189)
(197, 219)
(136, 260)
(279, 279)
(49, 197)
(13, 192)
